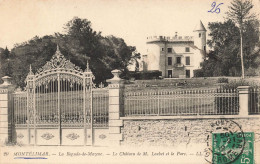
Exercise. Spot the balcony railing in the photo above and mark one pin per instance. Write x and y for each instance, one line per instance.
(178, 65)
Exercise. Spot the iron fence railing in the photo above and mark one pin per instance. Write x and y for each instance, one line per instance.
(182, 102)
(19, 105)
(254, 100)
(100, 104)
(71, 104)
(154, 102)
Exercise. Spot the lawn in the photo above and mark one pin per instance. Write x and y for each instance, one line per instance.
(189, 83)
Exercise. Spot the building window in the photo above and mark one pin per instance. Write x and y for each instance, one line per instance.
(162, 49)
(169, 73)
(187, 49)
(204, 48)
(169, 50)
(187, 60)
(169, 60)
(178, 60)
(199, 35)
(187, 73)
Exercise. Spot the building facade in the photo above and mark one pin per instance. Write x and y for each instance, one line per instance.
(178, 56)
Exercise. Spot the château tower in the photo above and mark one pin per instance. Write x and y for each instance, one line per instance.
(200, 36)
(176, 56)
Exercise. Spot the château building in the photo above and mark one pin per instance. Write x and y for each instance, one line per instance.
(177, 56)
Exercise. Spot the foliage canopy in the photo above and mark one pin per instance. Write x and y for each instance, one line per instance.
(225, 39)
(79, 44)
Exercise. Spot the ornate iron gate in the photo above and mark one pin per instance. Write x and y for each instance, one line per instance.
(59, 104)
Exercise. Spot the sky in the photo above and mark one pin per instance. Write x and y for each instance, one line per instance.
(132, 20)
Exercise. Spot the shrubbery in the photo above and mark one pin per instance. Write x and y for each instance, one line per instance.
(236, 83)
(144, 75)
(222, 80)
(251, 72)
(198, 73)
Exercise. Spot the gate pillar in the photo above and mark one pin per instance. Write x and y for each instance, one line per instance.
(5, 111)
(243, 100)
(116, 88)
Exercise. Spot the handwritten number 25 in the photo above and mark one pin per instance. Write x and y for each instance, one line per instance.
(217, 10)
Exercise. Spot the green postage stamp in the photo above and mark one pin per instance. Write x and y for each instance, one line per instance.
(237, 148)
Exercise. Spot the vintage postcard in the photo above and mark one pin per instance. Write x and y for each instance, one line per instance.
(134, 81)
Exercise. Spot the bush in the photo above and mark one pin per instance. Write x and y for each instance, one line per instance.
(144, 75)
(222, 80)
(236, 83)
(250, 72)
(198, 73)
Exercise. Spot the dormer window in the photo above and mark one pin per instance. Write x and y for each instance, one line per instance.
(162, 49)
(169, 50)
(187, 49)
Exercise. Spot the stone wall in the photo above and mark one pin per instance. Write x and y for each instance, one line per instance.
(177, 132)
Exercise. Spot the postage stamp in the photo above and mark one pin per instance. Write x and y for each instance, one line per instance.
(248, 153)
(225, 142)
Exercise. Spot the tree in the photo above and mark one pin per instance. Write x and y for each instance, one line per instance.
(79, 44)
(234, 43)
(6, 53)
(104, 53)
(1, 63)
(35, 52)
(224, 58)
(5, 62)
(239, 12)
(122, 55)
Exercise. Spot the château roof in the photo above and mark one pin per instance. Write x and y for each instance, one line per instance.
(200, 27)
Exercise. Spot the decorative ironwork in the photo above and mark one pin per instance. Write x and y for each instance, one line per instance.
(47, 136)
(30, 71)
(20, 136)
(60, 95)
(87, 68)
(58, 61)
(47, 118)
(102, 136)
(47, 79)
(72, 136)
(71, 78)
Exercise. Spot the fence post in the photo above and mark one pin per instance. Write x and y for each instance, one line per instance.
(243, 100)
(116, 88)
(5, 111)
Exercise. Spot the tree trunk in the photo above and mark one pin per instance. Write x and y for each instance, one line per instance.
(241, 52)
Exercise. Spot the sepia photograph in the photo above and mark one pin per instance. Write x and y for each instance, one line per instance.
(130, 81)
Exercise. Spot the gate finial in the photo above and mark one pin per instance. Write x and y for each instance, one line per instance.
(30, 71)
(58, 49)
(87, 69)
